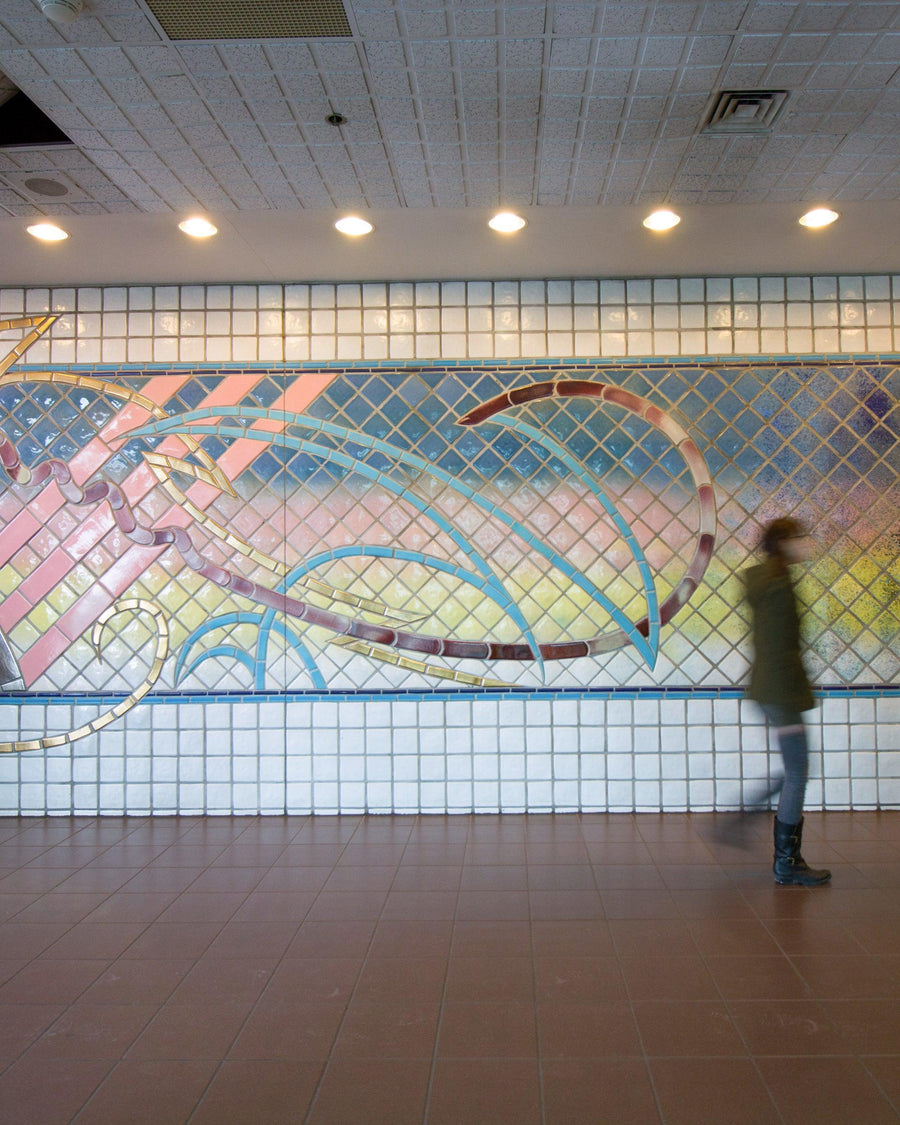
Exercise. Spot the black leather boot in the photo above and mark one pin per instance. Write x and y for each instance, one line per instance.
(790, 868)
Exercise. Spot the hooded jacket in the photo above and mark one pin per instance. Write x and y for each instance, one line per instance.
(777, 675)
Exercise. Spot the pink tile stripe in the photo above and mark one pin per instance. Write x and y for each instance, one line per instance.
(13, 609)
(17, 533)
(241, 453)
(42, 654)
(92, 528)
(91, 458)
(89, 531)
(136, 559)
(83, 612)
(44, 577)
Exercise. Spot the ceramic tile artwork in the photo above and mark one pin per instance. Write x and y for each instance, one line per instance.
(439, 547)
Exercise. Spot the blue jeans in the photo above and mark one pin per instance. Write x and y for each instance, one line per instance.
(791, 735)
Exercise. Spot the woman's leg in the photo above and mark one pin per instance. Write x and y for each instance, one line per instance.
(795, 754)
(790, 867)
(791, 736)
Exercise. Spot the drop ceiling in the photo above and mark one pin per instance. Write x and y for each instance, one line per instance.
(581, 116)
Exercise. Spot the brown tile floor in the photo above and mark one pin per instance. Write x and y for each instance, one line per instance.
(621, 969)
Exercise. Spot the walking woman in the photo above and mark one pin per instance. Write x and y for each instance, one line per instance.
(778, 683)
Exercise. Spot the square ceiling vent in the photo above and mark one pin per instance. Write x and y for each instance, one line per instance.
(744, 111)
(250, 19)
(49, 185)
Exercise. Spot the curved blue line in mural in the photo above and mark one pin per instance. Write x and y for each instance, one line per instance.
(352, 464)
(258, 664)
(377, 552)
(270, 622)
(222, 622)
(577, 470)
(641, 644)
(369, 551)
(186, 422)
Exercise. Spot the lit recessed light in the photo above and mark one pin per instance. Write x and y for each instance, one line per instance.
(354, 225)
(47, 232)
(61, 11)
(506, 222)
(662, 220)
(198, 228)
(818, 217)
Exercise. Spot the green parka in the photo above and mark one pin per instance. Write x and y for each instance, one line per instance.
(777, 675)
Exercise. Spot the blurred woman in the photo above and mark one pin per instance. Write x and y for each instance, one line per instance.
(778, 683)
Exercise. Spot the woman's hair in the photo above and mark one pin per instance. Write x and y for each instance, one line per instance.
(777, 531)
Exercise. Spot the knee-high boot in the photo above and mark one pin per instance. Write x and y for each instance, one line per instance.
(790, 867)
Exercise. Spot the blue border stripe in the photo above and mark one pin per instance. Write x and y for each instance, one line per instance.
(175, 698)
(130, 370)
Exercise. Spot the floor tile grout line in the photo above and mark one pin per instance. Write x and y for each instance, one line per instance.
(535, 996)
(429, 1088)
(328, 1059)
(115, 1063)
(892, 1102)
(221, 1062)
(749, 1052)
(640, 1035)
(724, 1001)
(37, 957)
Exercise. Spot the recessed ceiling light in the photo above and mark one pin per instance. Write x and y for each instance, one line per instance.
(354, 225)
(506, 222)
(47, 232)
(662, 220)
(818, 217)
(61, 11)
(198, 228)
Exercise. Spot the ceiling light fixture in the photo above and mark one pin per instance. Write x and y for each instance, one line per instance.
(198, 228)
(61, 11)
(47, 232)
(354, 226)
(506, 222)
(818, 217)
(662, 220)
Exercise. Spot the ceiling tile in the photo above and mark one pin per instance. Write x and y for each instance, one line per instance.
(451, 104)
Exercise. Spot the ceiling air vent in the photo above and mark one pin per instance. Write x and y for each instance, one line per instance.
(258, 19)
(43, 186)
(744, 111)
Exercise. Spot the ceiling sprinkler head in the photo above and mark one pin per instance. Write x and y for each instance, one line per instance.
(336, 119)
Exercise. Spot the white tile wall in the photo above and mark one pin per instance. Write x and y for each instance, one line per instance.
(440, 320)
(593, 752)
(447, 753)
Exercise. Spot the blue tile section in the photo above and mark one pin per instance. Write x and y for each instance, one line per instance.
(169, 698)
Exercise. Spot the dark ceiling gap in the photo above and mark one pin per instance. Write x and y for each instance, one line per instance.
(23, 125)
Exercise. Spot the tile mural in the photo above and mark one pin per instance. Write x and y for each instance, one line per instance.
(360, 526)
